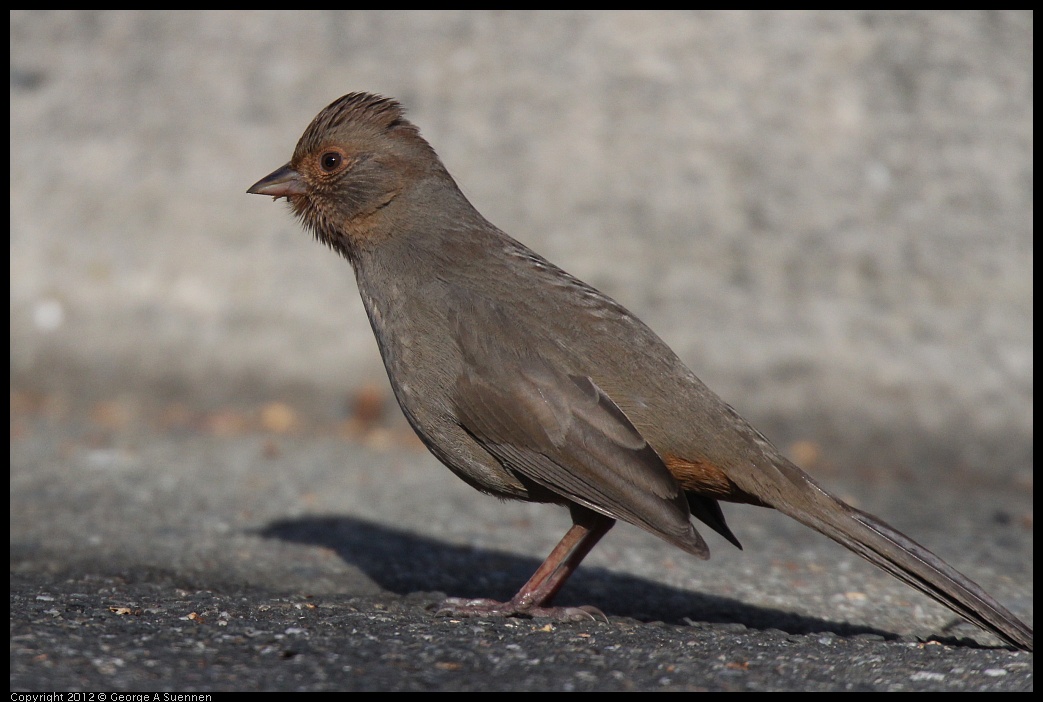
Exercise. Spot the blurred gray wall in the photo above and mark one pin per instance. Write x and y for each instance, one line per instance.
(828, 215)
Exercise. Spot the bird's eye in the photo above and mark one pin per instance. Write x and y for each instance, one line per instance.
(331, 161)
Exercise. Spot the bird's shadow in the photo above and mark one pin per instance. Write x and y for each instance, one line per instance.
(404, 562)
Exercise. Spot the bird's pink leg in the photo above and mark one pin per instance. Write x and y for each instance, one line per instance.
(535, 596)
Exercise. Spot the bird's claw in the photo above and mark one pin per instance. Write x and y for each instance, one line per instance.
(462, 607)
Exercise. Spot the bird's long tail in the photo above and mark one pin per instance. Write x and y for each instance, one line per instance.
(908, 561)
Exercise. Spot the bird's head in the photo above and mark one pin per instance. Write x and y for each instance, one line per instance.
(355, 158)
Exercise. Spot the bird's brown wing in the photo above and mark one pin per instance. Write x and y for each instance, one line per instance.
(565, 434)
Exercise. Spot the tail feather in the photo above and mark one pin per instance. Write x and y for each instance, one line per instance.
(911, 563)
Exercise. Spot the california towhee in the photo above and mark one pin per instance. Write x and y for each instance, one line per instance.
(531, 385)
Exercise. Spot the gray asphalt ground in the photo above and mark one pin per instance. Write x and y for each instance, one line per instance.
(827, 215)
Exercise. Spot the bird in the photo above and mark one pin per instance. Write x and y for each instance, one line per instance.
(529, 384)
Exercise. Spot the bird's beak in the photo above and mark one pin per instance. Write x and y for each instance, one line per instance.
(282, 183)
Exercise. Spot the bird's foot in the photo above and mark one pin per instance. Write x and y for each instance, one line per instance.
(462, 607)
